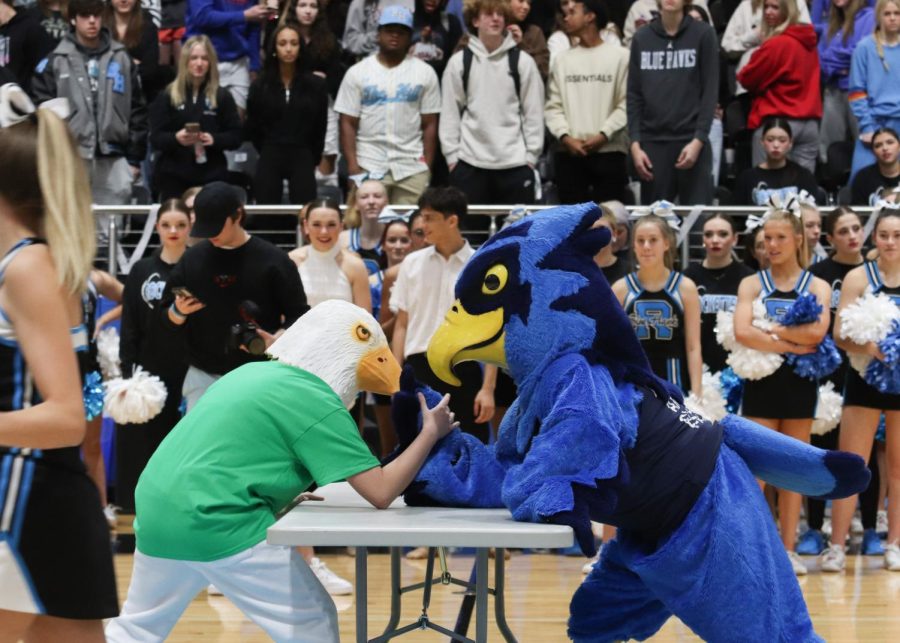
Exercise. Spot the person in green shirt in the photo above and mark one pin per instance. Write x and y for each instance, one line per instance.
(260, 436)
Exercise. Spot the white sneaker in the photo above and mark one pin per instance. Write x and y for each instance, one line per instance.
(881, 524)
(833, 559)
(797, 564)
(333, 584)
(212, 590)
(109, 512)
(892, 556)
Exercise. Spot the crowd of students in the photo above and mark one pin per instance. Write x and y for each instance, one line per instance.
(492, 98)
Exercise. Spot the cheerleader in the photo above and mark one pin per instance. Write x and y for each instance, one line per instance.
(57, 581)
(863, 404)
(717, 279)
(844, 232)
(663, 305)
(783, 401)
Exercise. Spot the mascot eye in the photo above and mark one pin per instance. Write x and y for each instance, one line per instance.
(363, 333)
(495, 280)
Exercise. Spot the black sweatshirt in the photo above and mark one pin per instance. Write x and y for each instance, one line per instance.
(223, 279)
(300, 122)
(156, 347)
(755, 185)
(222, 121)
(23, 43)
(673, 82)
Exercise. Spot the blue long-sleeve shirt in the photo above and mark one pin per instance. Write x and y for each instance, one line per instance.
(835, 54)
(223, 21)
(874, 92)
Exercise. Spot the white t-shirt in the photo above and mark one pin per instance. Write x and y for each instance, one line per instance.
(389, 102)
(424, 289)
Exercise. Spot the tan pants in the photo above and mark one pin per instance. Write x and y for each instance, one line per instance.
(406, 191)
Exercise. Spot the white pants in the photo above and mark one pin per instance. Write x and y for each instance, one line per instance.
(272, 585)
(234, 75)
(195, 384)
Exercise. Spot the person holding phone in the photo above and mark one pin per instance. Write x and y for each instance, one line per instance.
(192, 123)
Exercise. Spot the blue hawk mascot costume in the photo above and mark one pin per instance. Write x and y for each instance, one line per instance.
(595, 435)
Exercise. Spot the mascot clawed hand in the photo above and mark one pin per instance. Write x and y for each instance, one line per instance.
(595, 435)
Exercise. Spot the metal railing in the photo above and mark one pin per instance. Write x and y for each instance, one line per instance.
(481, 223)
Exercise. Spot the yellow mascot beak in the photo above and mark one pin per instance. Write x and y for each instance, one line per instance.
(465, 337)
(379, 372)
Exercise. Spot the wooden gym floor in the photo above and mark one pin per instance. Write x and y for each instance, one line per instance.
(861, 605)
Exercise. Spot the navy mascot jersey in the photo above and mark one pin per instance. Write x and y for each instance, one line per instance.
(658, 322)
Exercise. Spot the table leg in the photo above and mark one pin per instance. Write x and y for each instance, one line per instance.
(361, 595)
(481, 594)
(499, 596)
(395, 590)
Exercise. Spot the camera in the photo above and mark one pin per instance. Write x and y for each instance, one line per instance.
(244, 332)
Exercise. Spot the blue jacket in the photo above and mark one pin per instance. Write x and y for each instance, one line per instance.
(835, 54)
(874, 92)
(223, 21)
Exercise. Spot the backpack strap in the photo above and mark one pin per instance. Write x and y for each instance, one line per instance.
(512, 56)
(466, 70)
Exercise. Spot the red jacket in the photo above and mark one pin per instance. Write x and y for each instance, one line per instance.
(783, 77)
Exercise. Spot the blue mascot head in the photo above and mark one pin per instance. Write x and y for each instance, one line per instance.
(533, 293)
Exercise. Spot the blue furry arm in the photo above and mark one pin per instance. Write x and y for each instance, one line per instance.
(570, 437)
(793, 465)
(460, 471)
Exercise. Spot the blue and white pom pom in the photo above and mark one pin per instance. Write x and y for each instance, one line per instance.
(135, 400)
(93, 392)
(747, 363)
(828, 410)
(816, 365)
(108, 353)
(875, 318)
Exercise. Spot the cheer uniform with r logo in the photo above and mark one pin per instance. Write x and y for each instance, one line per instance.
(658, 321)
(783, 395)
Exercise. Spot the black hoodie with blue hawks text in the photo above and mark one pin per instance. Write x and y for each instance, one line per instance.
(672, 82)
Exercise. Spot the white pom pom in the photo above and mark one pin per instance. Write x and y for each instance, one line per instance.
(760, 319)
(711, 405)
(725, 330)
(108, 353)
(868, 319)
(828, 410)
(751, 364)
(135, 400)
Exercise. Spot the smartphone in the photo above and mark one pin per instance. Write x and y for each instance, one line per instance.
(181, 291)
(192, 128)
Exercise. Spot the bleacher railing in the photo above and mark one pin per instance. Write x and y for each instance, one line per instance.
(121, 238)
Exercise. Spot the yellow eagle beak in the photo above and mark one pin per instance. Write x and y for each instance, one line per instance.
(465, 337)
(378, 372)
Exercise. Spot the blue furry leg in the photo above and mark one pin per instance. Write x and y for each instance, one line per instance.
(724, 571)
(789, 464)
(614, 604)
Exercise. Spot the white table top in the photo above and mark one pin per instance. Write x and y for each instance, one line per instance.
(346, 519)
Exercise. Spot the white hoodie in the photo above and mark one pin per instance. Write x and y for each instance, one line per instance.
(488, 126)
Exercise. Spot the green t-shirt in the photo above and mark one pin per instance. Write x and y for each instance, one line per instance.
(258, 437)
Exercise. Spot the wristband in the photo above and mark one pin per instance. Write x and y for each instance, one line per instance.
(174, 310)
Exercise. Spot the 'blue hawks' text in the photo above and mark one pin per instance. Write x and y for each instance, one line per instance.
(669, 59)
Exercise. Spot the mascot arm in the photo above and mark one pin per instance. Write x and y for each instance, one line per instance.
(789, 464)
(575, 442)
(460, 471)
